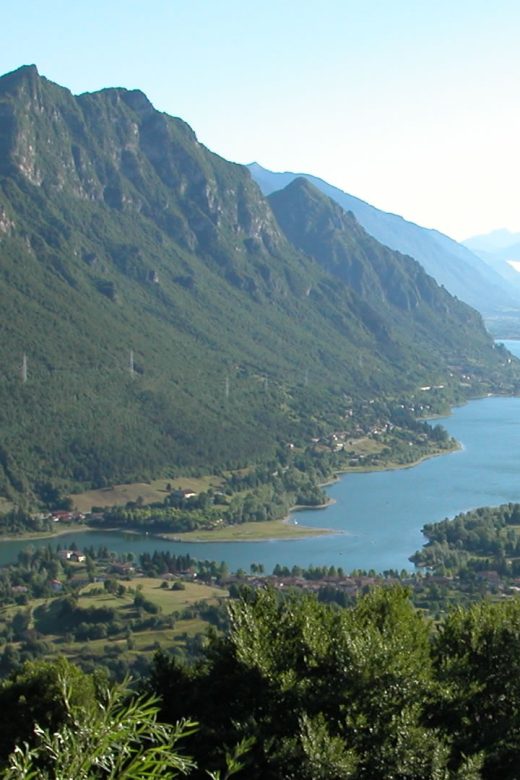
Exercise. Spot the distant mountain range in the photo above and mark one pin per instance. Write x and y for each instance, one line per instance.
(460, 270)
(500, 249)
(160, 314)
(493, 241)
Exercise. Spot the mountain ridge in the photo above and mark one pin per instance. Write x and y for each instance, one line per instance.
(451, 264)
(500, 238)
(499, 249)
(166, 319)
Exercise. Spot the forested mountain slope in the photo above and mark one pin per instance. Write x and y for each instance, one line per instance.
(404, 299)
(166, 319)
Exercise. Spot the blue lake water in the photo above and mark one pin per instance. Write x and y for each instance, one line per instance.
(377, 517)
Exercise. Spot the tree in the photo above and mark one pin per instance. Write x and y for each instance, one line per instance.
(477, 664)
(20, 623)
(312, 683)
(119, 738)
(34, 694)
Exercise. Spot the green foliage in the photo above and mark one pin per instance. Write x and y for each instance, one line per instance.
(32, 572)
(141, 602)
(178, 586)
(484, 538)
(365, 693)
(119, 738)
(302, 689)
(34, 693)
(17, 521)
(477, 663)
(325, 756)
(160, 561)
(346, 689)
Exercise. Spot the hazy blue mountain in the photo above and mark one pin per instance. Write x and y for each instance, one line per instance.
(451, 264)
(500, 249)
(494, 241)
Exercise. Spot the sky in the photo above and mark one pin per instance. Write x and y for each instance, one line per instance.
(411, 105)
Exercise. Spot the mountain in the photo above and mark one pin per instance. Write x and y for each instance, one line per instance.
(494, 241)
(500, 249)
(403, 300)
(157, 318)
(451, 264)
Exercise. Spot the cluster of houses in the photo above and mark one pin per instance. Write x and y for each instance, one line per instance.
(353, 585)
(60, 516)
(116, 569)
(343, 440)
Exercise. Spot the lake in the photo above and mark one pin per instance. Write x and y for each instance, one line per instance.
(378, 516)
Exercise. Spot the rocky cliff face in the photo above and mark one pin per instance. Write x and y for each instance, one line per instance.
(112, 147)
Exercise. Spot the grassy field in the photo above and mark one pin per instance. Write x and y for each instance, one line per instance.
(6, 613)
(142, 643)
(167, 600)
(145, 642)
(364, 446)
(119, 495)
(250, 532)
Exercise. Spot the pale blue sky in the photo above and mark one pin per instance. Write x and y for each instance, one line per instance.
(412, 106)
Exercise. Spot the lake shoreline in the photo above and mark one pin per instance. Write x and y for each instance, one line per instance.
(286, 521)
(75, 528)
(377, 518)
(399, 466)
(298, 532)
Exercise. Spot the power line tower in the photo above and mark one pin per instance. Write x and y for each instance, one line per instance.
(131, 364)
(23, 370)
(226, 388)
